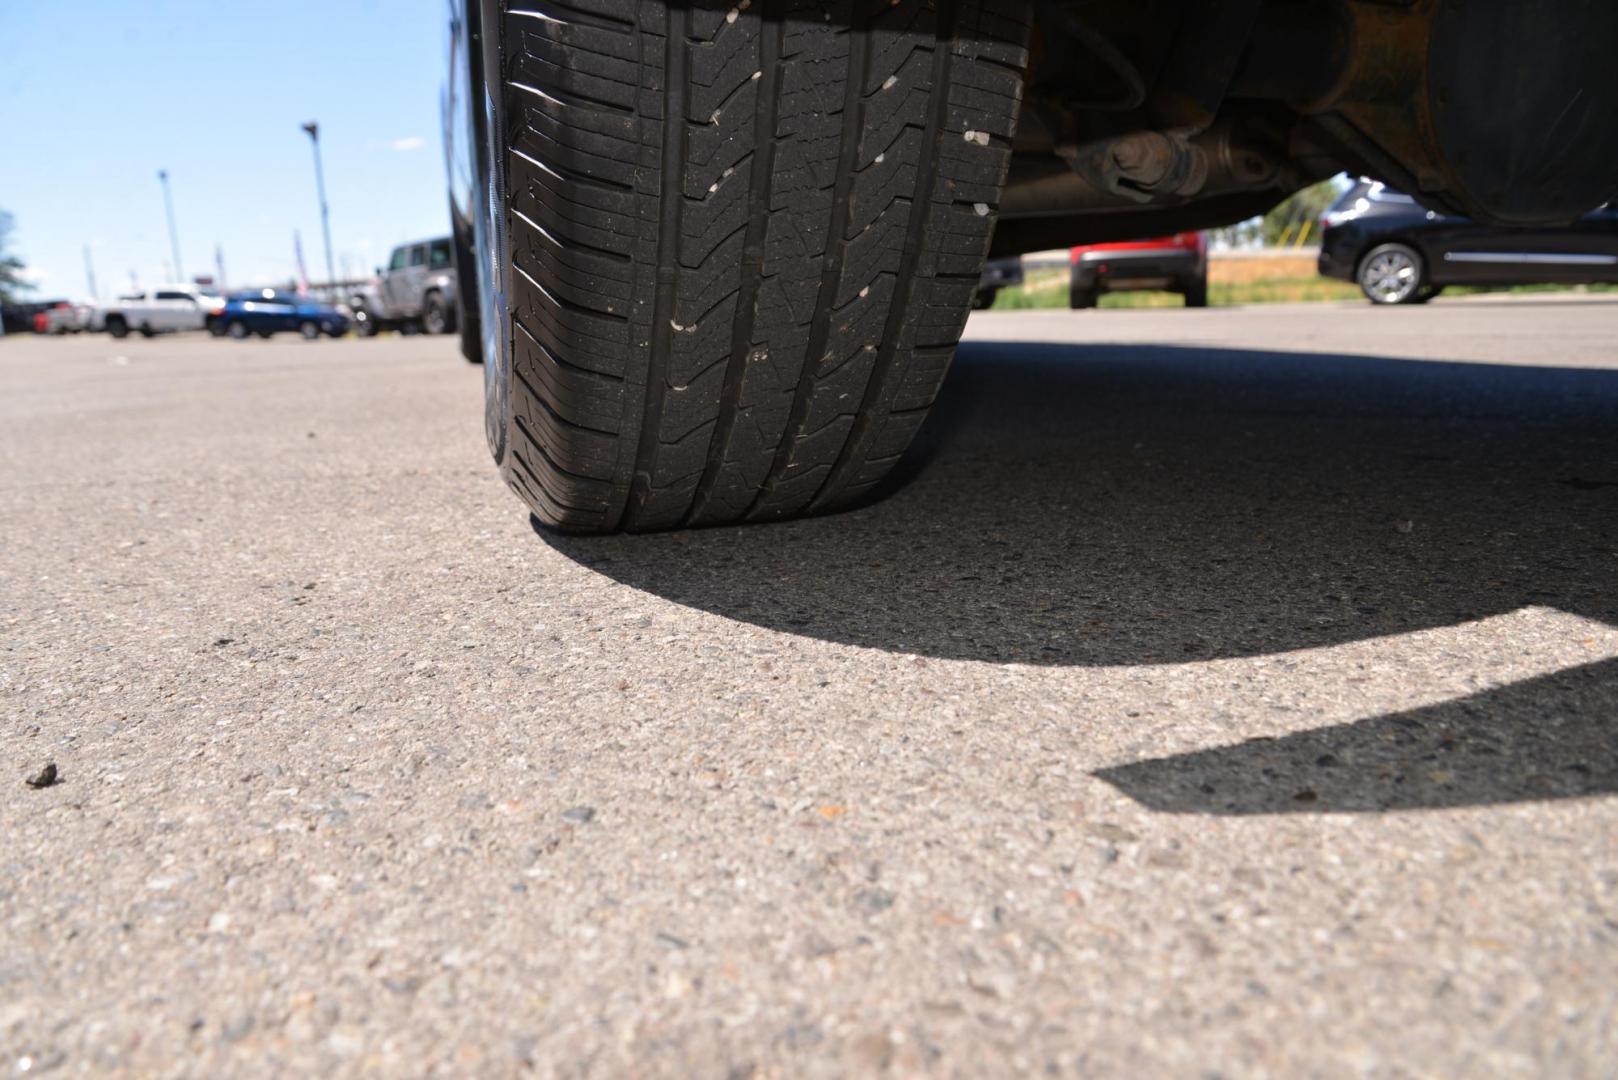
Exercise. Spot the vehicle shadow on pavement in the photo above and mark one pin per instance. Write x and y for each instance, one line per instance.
(1554, 737)
(1129, 504)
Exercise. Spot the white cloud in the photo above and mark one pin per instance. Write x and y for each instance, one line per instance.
(410, 142)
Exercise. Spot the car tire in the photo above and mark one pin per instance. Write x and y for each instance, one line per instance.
(265, 334)
(309, 330)
(1196, 293)
(117, 327)
(436, 317)
(983, 299)
(1391, 274)
(147, 332)
(743, 241)
(364, 325)
(1080, 298)
(236, 329)
(1427, 293)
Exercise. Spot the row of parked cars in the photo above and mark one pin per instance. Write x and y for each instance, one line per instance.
(416, 291)
(170, 309)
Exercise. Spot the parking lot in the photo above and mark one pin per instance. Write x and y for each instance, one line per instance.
(1229, 692)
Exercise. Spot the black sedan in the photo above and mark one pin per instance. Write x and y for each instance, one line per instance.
(1399, 252)
(267, 311)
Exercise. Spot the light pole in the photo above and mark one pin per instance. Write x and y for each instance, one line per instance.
(313, 130)
(174, 234)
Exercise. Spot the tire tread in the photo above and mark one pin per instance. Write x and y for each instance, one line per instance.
(744, 241)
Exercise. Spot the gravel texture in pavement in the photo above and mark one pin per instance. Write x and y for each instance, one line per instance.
(1219, 693)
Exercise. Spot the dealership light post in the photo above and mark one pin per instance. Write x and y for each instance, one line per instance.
(174, 234)
(313, 131)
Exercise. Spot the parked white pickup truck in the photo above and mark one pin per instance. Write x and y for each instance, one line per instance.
(162, 310)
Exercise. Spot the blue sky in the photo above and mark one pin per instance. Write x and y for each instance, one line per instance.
(99, 95)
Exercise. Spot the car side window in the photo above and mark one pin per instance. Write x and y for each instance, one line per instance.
(418, 255)
(438, 257)
(398, 260)
(170, 295)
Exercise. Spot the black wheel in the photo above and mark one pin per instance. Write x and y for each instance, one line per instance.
(117, 327)
(364, 325)
(1080, 298)
(435, 314)
(236, 329)
(265, 334)
(743, 240)
(147, 331)
(1196, 293)
(1426, 293)
(309, 329)
(983, 299)
(1391, 274)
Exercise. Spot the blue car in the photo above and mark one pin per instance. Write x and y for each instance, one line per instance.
(267, 311)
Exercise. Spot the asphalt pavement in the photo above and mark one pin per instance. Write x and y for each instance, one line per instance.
(1225, 693)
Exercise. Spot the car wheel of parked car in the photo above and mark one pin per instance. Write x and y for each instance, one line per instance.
(1391, 274)
(117, 327)
(743, 241)
(309, 329)
(1426, 293)
(1196, 293)
(146, 331)
(1080, 298)
(983, 300)
(236, 329)
(265, 334)
(435, 314)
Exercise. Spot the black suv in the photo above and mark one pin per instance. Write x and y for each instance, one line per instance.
(1399, 252)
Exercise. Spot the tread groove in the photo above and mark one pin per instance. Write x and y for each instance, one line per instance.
(578, 17)
(676, 31)
(752, 266)
(562, 172)
(574, 244)
(868, 417)
(836, 246)
(571, 98)
(559, 360)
